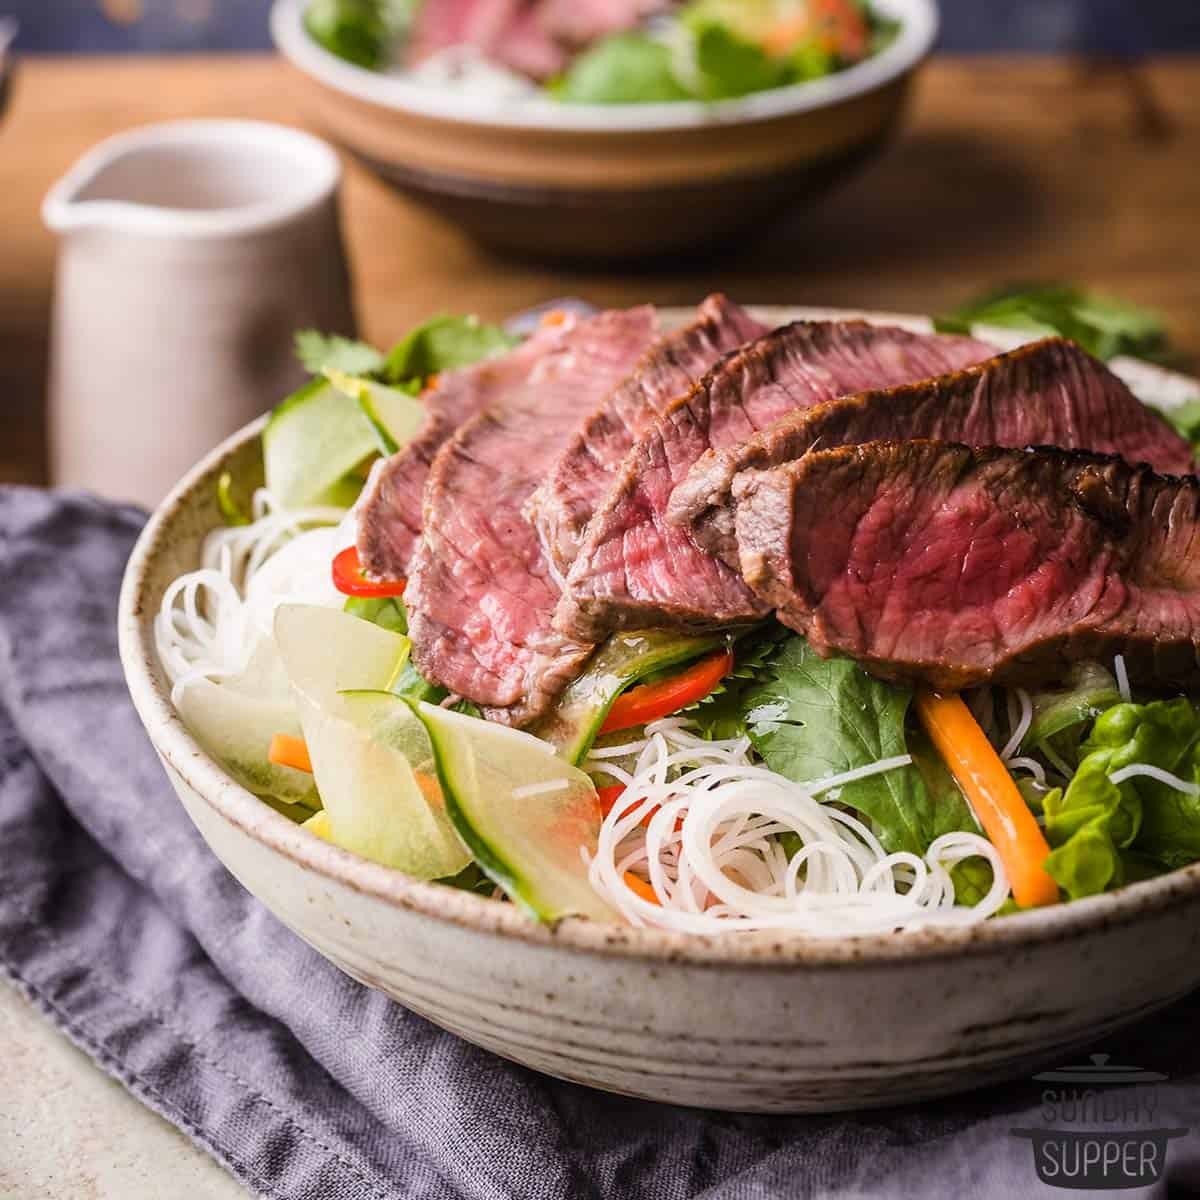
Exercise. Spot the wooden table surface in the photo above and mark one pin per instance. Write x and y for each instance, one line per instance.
(1008, 169)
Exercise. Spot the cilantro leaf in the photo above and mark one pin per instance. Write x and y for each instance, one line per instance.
(811, 717)
(318, 351)
(441, 344)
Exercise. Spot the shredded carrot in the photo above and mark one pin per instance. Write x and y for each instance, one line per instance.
(288, 751)
(555, 316)
(637, 885)
(993, 796)
(431, 381)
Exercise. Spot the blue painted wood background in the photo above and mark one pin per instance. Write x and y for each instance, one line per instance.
(1126, 27)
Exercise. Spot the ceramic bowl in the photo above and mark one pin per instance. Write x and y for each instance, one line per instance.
(610, 181)
(750, 1022)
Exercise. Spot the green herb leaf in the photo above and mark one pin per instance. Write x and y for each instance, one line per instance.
(812, 717)
(626, 68)
(720, 715)
(1186, 419)
(319, 352)
(1103, 326)
(442, 344)
(386, 611)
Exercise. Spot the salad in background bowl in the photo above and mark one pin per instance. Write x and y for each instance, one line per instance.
(702, 125)
(603, 51)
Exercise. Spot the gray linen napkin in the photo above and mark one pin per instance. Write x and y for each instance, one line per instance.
(116, 919)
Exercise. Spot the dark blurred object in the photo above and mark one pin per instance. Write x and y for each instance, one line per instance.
(1122, 28)
(8, 33)
(1106, 28)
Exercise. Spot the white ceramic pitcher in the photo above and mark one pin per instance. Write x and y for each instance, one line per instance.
(190, 252)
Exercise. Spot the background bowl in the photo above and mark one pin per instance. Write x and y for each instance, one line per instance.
(605, 181)
(783, 1024)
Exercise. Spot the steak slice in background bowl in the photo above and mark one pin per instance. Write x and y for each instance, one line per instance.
(951, 566)
(481, 591)
(635, 569)
(564, 504)
(1048, 393)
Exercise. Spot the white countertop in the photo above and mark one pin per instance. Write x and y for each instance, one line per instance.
(69, 1132)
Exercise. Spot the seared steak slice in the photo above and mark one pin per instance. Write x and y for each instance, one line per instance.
(389, 521)
(481, 593)
(1051, 393)
(949, 566)
(563, 505)
(635, 569)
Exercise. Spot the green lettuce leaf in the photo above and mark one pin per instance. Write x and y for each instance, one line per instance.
(354, 30)
(1097, 827)
(442, 344)
(728, 66)
(811, 717)
(626, 68)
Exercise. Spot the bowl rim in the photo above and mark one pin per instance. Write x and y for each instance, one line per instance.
(919, 25)
(765, 949)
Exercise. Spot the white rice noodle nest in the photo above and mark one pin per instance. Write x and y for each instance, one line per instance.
(212, 619)
(712, 854)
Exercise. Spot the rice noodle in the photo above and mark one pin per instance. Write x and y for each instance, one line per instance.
(211, 619)
(1122, 678)
(1133, 770)
(1021, 728)
(1031, 765)
(712, 854)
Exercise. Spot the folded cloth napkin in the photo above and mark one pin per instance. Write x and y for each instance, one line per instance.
(119, 923)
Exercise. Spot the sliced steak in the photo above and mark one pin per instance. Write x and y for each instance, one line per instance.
(481, 593)
(562, 507)
(389, 521)
(635, 569)
(1051, 393)
(950, 566)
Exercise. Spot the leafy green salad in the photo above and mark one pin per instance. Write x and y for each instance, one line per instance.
(606, 51)
(731, 781)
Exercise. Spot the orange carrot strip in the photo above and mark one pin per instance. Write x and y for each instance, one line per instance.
(288, 751)
(637, 885)
(993, 795)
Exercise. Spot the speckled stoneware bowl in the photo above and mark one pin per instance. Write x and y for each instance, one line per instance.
(608, 181)
(753, 1022)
